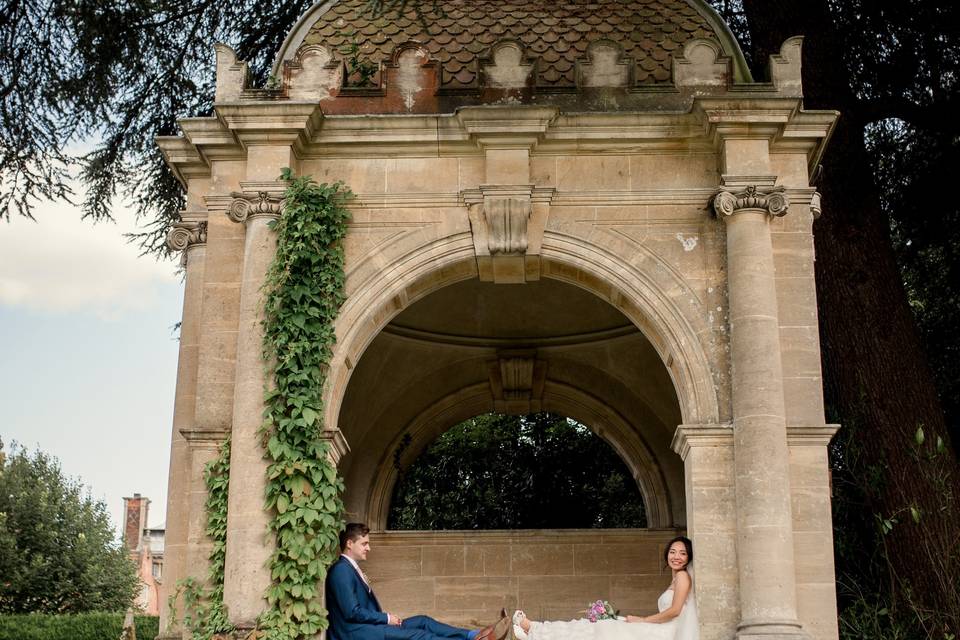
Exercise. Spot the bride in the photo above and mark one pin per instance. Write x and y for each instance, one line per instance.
(676, 619)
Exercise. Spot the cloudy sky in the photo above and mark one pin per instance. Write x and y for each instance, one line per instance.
(89, 356)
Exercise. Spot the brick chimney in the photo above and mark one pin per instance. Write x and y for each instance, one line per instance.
(134, 520)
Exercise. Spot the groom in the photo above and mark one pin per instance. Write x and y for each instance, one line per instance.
(355, 613)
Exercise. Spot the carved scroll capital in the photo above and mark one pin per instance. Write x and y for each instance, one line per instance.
(247, 205)
(774, 201)
(185, 234)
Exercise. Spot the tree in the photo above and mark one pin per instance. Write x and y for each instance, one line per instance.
(887, 246)
(541, 471)
(885, 225)
(57, 550)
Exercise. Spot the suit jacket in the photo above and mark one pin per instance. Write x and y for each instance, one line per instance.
(354, 612)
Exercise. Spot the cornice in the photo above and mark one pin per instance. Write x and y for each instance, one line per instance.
(469, 130)
(506, 127)
(271, 122)
(811, 436)
(183, 158)
(421, 336)
(688, 436)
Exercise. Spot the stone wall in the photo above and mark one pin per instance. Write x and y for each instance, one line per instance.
(465, 577)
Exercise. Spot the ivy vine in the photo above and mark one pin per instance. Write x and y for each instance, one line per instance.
(203, 612)
(304, 290)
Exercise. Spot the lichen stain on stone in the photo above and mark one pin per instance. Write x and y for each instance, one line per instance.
(409, 76)
(689, 244)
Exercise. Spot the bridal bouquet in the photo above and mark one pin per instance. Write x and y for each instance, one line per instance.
(601, 610)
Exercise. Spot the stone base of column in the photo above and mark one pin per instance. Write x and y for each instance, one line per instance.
(170, 635)
(244, 632)
(773, 630)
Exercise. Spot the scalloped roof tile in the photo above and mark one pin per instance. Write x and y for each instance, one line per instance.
(460, 32)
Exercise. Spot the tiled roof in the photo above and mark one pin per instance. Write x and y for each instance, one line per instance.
(460, 32)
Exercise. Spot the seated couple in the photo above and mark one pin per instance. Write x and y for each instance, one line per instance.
(355, 613)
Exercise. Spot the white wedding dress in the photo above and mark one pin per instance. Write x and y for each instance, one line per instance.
(683, 627)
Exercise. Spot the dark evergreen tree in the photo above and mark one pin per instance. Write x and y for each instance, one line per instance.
(540, 471)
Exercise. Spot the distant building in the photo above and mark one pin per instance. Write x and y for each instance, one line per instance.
(146, 548)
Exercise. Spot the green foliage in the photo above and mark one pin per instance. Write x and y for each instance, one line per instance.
(57, 548)
(540, 471)
(875, 601)
(360, 70)
(203, 612)
(81, 626)
(304, 291)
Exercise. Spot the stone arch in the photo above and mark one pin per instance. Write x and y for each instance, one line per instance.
(562, 399)
(428, 260)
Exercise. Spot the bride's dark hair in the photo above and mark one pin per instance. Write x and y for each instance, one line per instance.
(686, 544)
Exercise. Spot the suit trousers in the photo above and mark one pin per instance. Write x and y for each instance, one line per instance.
(424, 628)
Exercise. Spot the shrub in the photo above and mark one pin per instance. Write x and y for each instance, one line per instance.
(81, 626)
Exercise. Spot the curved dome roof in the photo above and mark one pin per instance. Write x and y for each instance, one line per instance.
(555, 35)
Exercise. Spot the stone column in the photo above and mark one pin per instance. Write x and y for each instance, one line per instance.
(768, 599)
(709, 480)
(249, 544)
(190, 237)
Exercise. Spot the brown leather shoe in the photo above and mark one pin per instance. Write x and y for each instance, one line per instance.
(500, 630)
(486, 633)
(503, 626)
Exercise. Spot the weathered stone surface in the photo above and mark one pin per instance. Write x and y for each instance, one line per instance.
(522, 255)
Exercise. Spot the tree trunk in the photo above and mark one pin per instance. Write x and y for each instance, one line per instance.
(876, 377)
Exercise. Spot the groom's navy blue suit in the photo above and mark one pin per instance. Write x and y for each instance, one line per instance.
(355, 613)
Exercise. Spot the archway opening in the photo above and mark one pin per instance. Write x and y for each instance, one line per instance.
(500, 471)
(472, 348)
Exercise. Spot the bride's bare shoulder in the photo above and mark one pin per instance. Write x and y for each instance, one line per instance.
(682, 577)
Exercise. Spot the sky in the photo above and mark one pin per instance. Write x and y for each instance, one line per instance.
(89, 354)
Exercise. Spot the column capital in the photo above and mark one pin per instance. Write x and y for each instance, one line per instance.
(186, 234)
(688, 436)
(727, 202)
(249, 204)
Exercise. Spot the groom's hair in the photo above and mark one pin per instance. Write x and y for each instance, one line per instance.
(352, 531)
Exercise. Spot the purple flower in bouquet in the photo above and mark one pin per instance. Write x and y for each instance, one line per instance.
(601, 610)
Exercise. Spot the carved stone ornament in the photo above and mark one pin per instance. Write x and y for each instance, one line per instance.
(774, 201)
(815, 204)
(245, 206)
(186, 234)
(506, 220)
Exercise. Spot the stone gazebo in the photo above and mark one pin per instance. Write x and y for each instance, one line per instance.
(585, 208)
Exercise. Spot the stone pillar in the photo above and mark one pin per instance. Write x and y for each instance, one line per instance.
(768, 599)
(249, 545)
(190, 237)
(202, 448)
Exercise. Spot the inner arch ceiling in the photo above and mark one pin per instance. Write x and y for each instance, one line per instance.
(448, 357)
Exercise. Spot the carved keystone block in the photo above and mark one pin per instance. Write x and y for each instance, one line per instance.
(507, 245)
(516, 382)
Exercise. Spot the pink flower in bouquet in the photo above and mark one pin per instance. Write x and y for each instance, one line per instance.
(600, 610)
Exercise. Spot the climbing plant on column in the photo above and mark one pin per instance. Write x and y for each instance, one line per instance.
(203, 611)
(303, 293)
